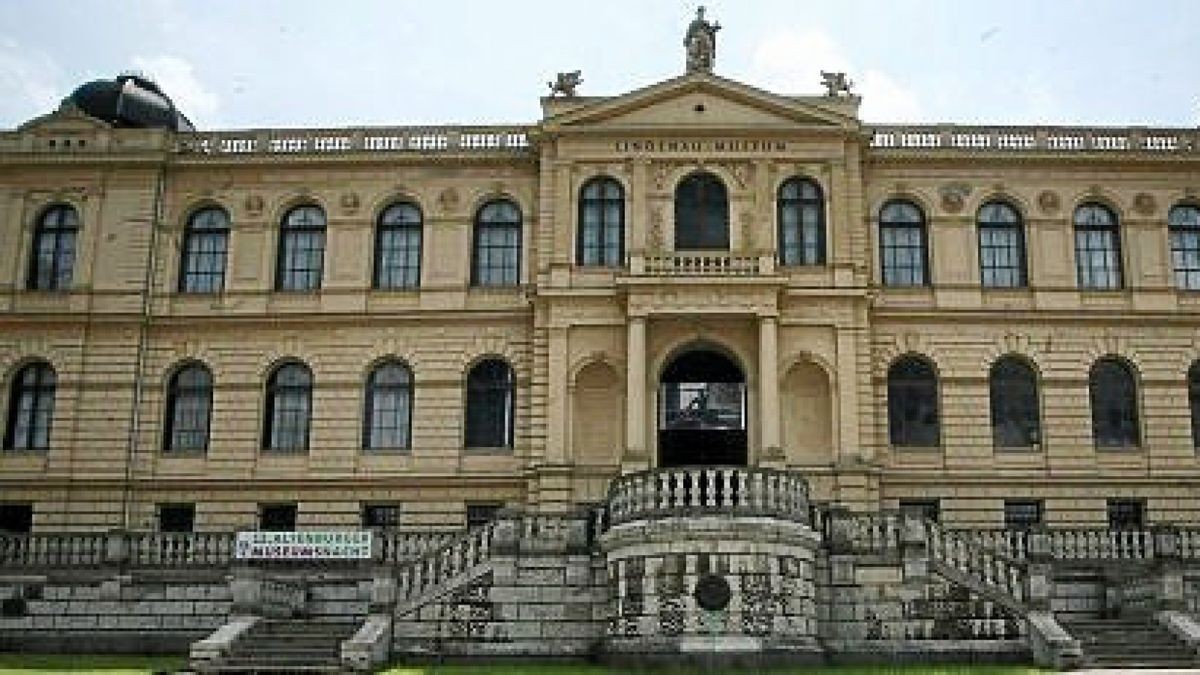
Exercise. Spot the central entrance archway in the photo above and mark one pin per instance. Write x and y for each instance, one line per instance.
(702, 411)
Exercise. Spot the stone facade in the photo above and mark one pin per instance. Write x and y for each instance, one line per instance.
(588, 307)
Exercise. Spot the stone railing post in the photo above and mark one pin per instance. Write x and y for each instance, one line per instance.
(1169, 594)
(245, 588)
(117, 547)
(1040, 570)
(841, 534)
(384, 591)
(914, 553)
(506, 533)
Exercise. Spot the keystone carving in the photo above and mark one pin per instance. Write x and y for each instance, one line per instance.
(254, 205)
(1048, 201)
(954, 196)
(449, 200)
(1144, 204)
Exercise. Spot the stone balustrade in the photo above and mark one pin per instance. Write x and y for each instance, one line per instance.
(181, 549)
(75, 549)
(1048, 139)
(739, 491)
(398, 547)
(698, 264)
(446, 562)
(282, 598)
(954, 553)
(1101, 544)
(488, 139)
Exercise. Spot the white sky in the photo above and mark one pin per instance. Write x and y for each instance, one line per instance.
(273, 63)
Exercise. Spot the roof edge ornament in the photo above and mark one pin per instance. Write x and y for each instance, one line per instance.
(700, 43)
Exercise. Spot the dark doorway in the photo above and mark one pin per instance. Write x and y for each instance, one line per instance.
(702, 411)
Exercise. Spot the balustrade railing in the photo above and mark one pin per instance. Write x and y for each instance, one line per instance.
(868, 533)
(398, 547)
(698, 264)
(1055, 139)
(1003, 577)
(379, 139)
(449, 560)
(1101, 544)
(1189, 544)
(1010, 543)
(659, 493)
(82, 549)
(181, 549)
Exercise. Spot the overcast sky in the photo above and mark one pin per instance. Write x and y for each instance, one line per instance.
(273, 63)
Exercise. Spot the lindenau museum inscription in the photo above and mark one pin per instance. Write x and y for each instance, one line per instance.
(650, 145)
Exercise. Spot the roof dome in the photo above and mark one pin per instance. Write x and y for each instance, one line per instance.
(129, 101)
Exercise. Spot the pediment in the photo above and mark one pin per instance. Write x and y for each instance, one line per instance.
(702, 101)
(68, 119)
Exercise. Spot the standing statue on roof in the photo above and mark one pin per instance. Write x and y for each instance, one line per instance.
(701, 43)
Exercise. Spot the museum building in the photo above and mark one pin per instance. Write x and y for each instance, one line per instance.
(412, 328)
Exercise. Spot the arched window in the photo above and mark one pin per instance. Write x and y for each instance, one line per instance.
(903, 250)
(601, 223)
(1001, 246)
(1194, 402)
(497, 246)
(53, 260)
(1184, 221)
(701, 213)
(491, 405)
(1113, 395)
(398, 247)
(913, 404)
(387, 422)
(1097, 248)
(301, 249)
(30, 408)
(189, 409)
(1014, 402)
(205, 244)
(801, 223)
(289, 408)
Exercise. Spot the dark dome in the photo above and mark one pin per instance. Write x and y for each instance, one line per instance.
(129, 101)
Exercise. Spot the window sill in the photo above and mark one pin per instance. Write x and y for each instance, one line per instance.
(1017, 449)
(1131, 449)
(387, 451)
(24, 452)
(182, 454)
(500, 450)
(280, 452)
(916, 448)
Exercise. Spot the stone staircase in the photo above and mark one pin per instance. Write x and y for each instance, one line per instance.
(1129, 643)
(286, 646)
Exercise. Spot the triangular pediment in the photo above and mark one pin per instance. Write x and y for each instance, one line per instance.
(68, 119)
(704, 101)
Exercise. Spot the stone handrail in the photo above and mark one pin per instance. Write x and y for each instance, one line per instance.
(1101, 544)
(398, 547)
(282, 598)
(1189, 544)
(696, 264)
(68, 549)
(660, 493)
(442, 139)
(865, 533)
(1010, 543)
(417, 577)
(181, 549)
(967, 561)
(1018, 138)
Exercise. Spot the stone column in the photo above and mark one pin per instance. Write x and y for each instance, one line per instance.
(768, 390)
(635, 395)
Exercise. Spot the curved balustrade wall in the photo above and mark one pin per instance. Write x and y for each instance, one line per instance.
(742, 491)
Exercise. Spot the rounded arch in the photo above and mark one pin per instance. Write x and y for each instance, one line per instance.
(203, 248)
(913, 401)
(196, 206)
(918, 198)
(389, 358)
(600, 222)
(1014, 402)
(800, 221)
(30, 412)
(22, 362)
(497, 236)
(288, 203)
(702, 212)
(1101, 196)
(187, 407)
(597, 413)
(1114, 391)
(397, 244)
(491, 392)
(588, 360)
(288, 412)
(903, 239)
(702, 408)
(41, 211)
(483, 198)
(692, 343)
(173, 370)
(387, 405)
(53, 251)
(808, 420)
(388, 198)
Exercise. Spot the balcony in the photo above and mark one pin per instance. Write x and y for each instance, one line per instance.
(714, 264)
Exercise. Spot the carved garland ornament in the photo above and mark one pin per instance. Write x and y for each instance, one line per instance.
(1144, 204)
(1048, 202)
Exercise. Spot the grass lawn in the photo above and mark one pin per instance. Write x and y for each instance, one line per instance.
(10, 664)
(584, 669)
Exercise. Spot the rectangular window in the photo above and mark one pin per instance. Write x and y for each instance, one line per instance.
(1185, 257)
(1098, 258)
(277, 517)
(903, 256)
(1126, 514)
(382, 516)
(498, 256)
(204, 264)
(399, 258)
(1000, 253)
(303, 254)
(16, 518)
(1022, 514)
(176, 517)
(925, 509)
(482, 513)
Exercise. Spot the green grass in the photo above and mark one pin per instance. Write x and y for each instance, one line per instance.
(585, 669)
(11, 664)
